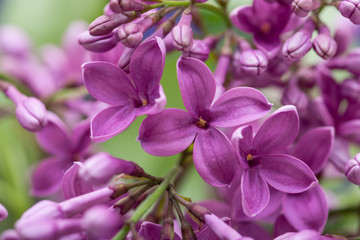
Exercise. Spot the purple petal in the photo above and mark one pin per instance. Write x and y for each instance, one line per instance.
(3, 213)
(46, 179)
(108, 83)
(350, 130)
(168, 132)
(340, 153)
(239, 106)
(242, 140)
(243, 18)
(282, 226)
(146, 67)
(251, 229)
(72, 184)
(154, 108)
(81, 136)
(307, 210)
(152, 231)
(314, 147)
(255, 192)
(270, 45)
(214, 157)
(110, 122)
(197, 85)
(287, 173)
(54, 138)
(278, 131)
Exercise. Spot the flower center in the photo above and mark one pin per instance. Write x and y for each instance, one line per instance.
(201, 123)
(249, 157)
(144, 102)
(265, 27)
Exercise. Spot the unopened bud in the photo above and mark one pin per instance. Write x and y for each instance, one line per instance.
(105, 24)
(299, 44)
(182, 33)
(98, 43)
(352, 169)
(130, 35)
(324, 45)
(301, 8)
(349, 9)
(32, 114)
(253, 62)
(100, 168)
(199, 50)
(126, 5)
(125, 58)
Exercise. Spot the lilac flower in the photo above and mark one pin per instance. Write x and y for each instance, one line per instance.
(64, 149)
(264, 163)
(109, 84)
(266, 21)
(352, 169)
(214, 157)
(72, 184)
(323, 44)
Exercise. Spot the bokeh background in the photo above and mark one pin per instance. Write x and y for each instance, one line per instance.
(45, 21)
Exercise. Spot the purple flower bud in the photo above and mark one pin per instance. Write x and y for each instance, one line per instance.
(126, 5)
(125, 58)
(253, 62)
(324, 45)
(349, 9)
(100, 168)
(107, 10)
(105, 24)
(101, 222)
(42, 209)
(131, 34)
(10, 235)
(3, 212)
(182, 33)
(199, 50)
(45, 229)
(352, 169)
(350, 89)
(32, 114)
(98, 43)
(301, 8)
(299, 44)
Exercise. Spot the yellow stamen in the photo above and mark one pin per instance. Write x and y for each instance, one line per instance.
(249, 157)
(144, 102)
(265, 27)
(201, 123)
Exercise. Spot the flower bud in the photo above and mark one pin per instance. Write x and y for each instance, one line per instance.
(182, 33)
(130, 35)
(107, 10)
(101, 222)
(352, 169)
(301, 8)
(324, 45)
(105, 24)
(126, 5)
(349, 9)
(45, 229)
(350, 89)
(253, 62)
(98, 43)
(3, 212)
(32, 114)
(100, 168)
(199, 50)
(299, 44)
(125, 58)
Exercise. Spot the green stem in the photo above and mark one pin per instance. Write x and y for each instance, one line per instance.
(176, 3)
(146, 205)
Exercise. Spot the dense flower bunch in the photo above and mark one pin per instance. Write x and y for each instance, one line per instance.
(263, 159)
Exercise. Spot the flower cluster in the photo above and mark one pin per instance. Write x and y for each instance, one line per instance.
(264, 157)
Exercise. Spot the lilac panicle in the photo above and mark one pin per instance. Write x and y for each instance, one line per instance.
(299, 44)
(3, 212)
(266, 21)
(30, 112)
(101, 222)
(130, 98)
(101, 43)
(100, 168)
(352, 169)
(212, 150)
(105, 24)
(264, 163)
(324, 45)
(182, 34)
(349, 9)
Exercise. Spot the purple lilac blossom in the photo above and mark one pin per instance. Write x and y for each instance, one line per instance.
(212, 150)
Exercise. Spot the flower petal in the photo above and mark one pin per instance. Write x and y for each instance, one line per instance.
(146, 67)
(350, 130)
(197, 84)
(286, 173)
(108, 83)
(314, 147)
(168, 132)
(243, 18)
(152, 231)
(54, 137)
(278, 131)
(214, 157)
(242, 140)
(255, 192)
(307, 210)
(72, 184)
(340, 153)
(46, 179)
(81, 136)
(110, 122)
(239, 106)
